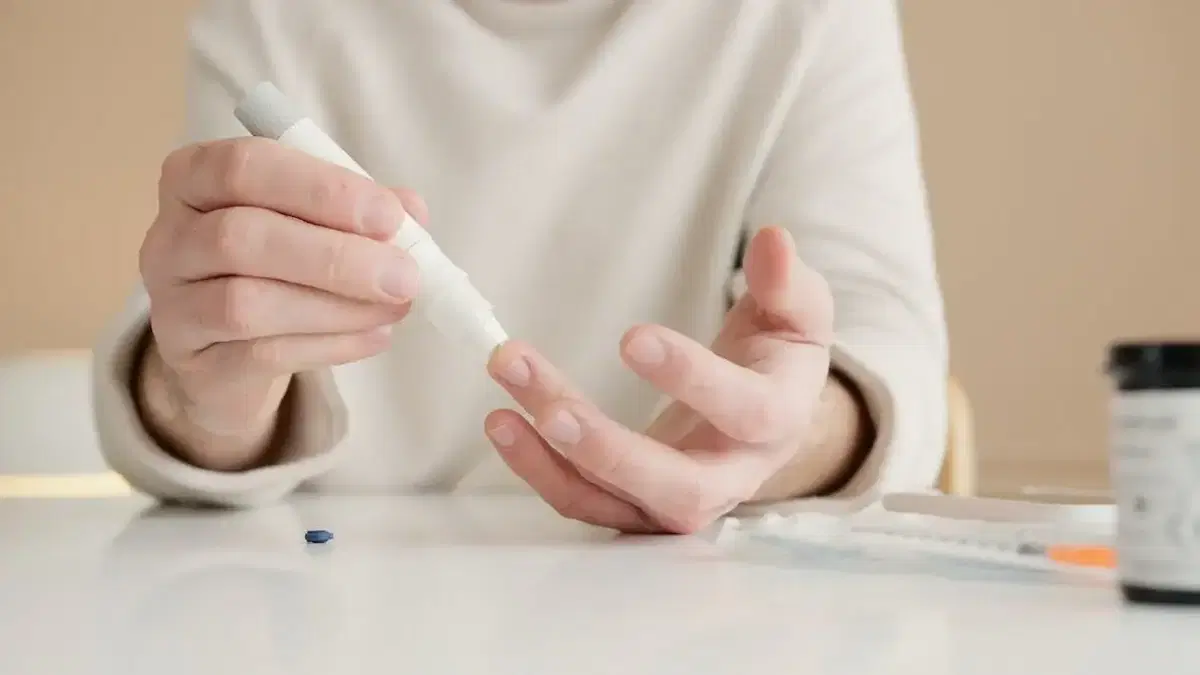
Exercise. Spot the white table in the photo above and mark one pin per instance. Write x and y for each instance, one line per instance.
(502, 585)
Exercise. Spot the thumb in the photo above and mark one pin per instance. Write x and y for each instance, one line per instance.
(789, 295)
(768, 267)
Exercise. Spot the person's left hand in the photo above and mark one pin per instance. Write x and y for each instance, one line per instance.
(742, 410)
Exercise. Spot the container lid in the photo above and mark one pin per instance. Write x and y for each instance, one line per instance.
(1158, 356)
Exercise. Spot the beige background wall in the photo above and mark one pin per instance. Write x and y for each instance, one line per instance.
(1060, 149)
(1062, 155)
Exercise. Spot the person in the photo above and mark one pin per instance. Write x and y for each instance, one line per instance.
(596, 167)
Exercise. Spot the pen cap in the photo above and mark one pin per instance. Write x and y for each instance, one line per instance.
(266, 112)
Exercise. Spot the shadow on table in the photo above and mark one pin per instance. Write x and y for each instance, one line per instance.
(432, 521)
(206, 590)
(215, 591)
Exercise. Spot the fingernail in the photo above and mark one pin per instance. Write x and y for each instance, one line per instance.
(502, 436)
(399, 279)
(647, 350)
(563, 428)
(382, 214)
(517, 372)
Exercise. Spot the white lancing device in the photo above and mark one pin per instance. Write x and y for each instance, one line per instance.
(446, 298)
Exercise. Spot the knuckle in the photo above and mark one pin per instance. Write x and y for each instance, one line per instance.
(230, 237)
(174, 167)
(183, 364)
(162, 334)
(232, 164)
(335, 262)
(171, 342)
(332, 195)
(614, 463)
(148, 254)
(693, 384)
(157, 252)
(266, 352)
(239, 306)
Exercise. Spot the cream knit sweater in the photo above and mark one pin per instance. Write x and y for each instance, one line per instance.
(592, 164)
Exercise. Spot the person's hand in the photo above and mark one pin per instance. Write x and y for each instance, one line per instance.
(264, 262)
(741, 410)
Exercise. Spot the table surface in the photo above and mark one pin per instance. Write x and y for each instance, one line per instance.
(503, 585)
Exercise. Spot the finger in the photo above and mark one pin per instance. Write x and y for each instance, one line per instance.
(738, 401)
(674, 423)
(535, 384)
(260, 172)
(530, 378)
(414, 205)
(682, 493)
(679, 492)
(552, 477)
(286, 354)
(233, 309)
(790, 297)
(254, 242)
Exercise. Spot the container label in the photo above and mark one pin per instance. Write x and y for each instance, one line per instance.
(1155, 467)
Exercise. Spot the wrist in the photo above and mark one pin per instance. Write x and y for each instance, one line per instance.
(233, 427)
(853, 436)
(838, 441)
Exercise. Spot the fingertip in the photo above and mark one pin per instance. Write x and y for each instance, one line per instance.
(492, 419)
(503, 428)
(380, 215)
(645, 348)
(505, 357)
(771, 248)
(413, 204)
(498, 357)
(398, 311)
(768, 266)
(509, 349)
(640, 331)
(774, 236)
(505, 416)
(653, 329)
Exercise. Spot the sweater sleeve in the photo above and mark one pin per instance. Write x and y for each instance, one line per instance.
(220, 60)
(844, 177)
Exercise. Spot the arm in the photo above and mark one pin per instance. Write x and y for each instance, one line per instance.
(844, 177)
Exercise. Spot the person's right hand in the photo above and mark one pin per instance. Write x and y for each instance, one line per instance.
(264, 262)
